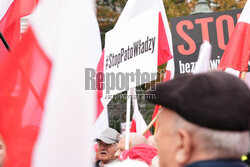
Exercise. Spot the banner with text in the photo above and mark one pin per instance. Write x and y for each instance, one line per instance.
(189, 32)
(131, 53)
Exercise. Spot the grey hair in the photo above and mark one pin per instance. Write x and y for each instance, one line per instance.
(135, 139)
(222, 143)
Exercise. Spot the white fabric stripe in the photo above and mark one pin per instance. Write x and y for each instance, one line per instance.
(140, 122)
(4, 6)
(65, 138)
(232, 71)
(203, 64)
(245, 15)
(101, 123)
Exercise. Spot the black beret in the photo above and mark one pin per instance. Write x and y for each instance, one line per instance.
(215, 100)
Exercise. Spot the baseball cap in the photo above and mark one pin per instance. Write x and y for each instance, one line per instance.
(109, 136)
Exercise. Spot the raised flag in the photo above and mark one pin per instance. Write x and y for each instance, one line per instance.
(69, 109)
(101, 121)
(26, 74)
(202, 64)
(165, 47)
(9, 24)
(165, 50)
(236, 54)
(136, 7)
(138, 124)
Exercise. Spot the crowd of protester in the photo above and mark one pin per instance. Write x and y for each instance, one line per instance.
(205, 122)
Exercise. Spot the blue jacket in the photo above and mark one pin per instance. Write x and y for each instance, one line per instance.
(218, 163)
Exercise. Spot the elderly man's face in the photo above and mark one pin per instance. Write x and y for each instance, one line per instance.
(2, 152)
(167, 139)
(106, 152)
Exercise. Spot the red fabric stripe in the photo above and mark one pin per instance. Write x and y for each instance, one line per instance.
(27, 6)
(148, 134)
(26, 74)
(133, 129)
(99, 86)
(10, 27)
(155, 113)
(164, 53)
(167, 76)
(237, 53)
(133, 126)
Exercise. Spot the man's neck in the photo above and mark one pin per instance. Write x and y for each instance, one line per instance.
(203, 156)
(217, 163)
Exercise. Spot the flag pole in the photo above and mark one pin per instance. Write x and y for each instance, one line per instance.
(243, 75)
(128, 120)
(4, 42)
(151, 123)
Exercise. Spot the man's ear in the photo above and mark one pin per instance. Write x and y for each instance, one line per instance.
(184, 149)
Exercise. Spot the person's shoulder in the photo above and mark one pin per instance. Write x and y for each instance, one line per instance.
(97, 163)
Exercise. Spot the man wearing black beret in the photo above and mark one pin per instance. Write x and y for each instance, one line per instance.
(204, 121)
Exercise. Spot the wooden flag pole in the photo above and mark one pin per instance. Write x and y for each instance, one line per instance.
(4, 42)
(127, 120)
(243, 75)
(151, 123)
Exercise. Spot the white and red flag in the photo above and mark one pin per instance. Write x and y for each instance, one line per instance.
(138, 124)
(11, 12)
(236, 55)
(132, 9)
(53, 129)
(101, 121)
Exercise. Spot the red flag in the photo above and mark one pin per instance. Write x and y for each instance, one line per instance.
(26, 74)
(236, 55)
(9, 24)
(164, 53)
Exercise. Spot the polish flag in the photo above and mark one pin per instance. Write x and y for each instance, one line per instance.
(165, 47)
(236, 56)
(102, 121)
(9, 24)
(11, 12)
(53, 57)
(132, 9)
(138, 123)
(136, 7)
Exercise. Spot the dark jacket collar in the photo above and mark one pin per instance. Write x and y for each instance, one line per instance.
(218, 163)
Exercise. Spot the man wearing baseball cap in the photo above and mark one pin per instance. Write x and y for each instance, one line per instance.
(107, 146)
(204, 121)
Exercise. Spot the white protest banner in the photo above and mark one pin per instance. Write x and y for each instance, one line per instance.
(131, 53)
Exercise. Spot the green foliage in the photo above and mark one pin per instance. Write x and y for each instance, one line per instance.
(108, 11)
(221, 5)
